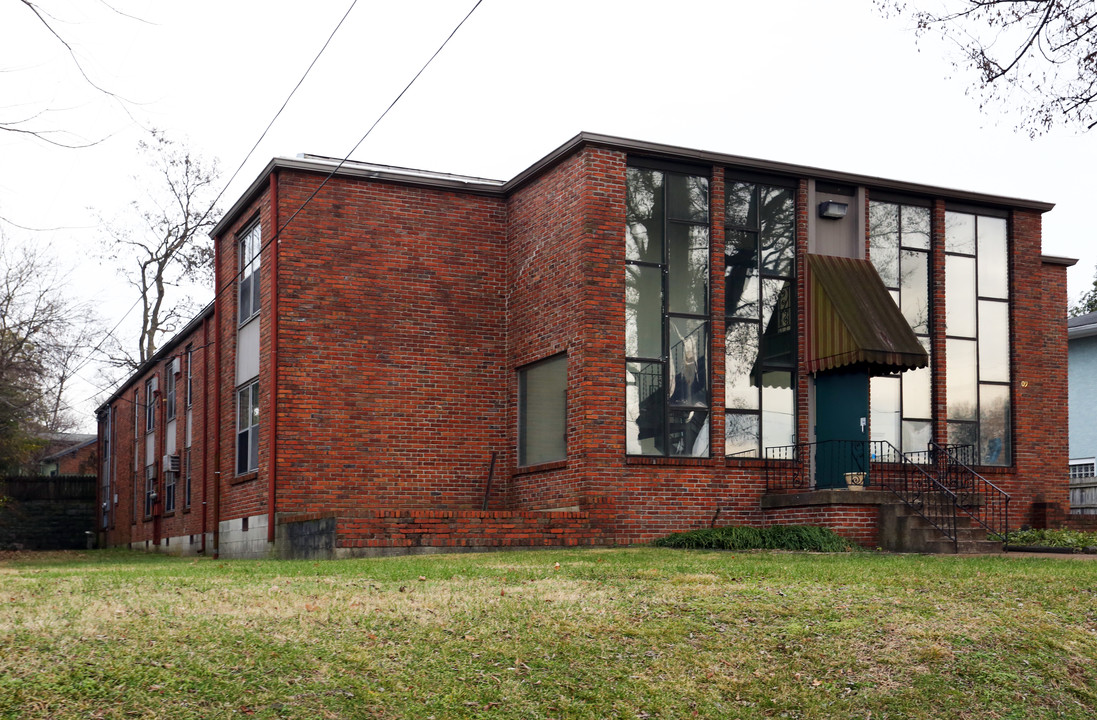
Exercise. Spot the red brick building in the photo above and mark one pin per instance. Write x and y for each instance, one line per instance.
(625, 340)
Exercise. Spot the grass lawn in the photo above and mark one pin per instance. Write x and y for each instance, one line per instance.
(630, 633)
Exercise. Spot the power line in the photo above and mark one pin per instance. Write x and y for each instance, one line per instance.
(278, 231)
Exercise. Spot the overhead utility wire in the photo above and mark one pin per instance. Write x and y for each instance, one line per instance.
(330, 175)
(234, 174)
(305, 203)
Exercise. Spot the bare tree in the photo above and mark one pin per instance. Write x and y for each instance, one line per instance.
(163, 242)
(1039, 56)
(32, 124)
(44, 339)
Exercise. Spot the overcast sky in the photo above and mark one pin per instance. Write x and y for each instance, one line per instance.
(827, 84)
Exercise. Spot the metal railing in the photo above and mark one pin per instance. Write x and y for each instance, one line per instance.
(937, 483)
(978, 498)
(920, 491)
(824, 464)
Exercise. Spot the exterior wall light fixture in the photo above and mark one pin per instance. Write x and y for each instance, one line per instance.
(833, 210)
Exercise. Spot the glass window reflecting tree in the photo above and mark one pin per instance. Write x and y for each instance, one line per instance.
(667, 396)
(899, 248)
(760, 315)
(977, 335)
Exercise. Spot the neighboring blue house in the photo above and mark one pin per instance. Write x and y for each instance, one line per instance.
(1082, 390)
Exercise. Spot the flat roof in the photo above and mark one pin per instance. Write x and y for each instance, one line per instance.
(486, 186)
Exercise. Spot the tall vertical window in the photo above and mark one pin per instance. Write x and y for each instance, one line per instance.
(250, 246)
(150, 488)
(186, 478)
(667, 394)
(136, 458)
(977, 335)
(150, 404)
(542, 411)
(760, 315)
(104, 473)
(899, 247)
(190, 376)
(169, 392)
(247, 428)
(170, 481)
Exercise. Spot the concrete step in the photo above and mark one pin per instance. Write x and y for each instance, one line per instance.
(963, 547)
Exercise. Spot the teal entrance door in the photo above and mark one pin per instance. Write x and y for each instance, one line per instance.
(841, 426)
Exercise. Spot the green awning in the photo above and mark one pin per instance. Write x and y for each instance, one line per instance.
(853, 320)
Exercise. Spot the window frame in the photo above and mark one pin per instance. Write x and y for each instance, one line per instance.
(896, 291)
(249, 251)
(150, 404)
(251, 431)
(523, 424)
(150, 489)
(668, 316)
(169, 393)
(979, 214)
(776, 183)
(189, 388)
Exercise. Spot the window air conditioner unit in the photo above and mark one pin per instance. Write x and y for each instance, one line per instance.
(175, 366)
(171, 463)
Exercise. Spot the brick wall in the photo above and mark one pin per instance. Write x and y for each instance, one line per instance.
(393, 377)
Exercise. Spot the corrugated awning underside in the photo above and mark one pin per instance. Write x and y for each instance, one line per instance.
(854, 321)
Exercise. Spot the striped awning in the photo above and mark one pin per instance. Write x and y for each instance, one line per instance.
(853, 320)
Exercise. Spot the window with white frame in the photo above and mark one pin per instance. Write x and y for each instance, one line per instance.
(150, 488)
(190, 376)
(170, 482)
(150, 404)
(169, 393)
(186, 478)
(247, 428)
(249, 249)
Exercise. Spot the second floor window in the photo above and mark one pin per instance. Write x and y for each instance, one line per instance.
(150, 404)
(249, 250)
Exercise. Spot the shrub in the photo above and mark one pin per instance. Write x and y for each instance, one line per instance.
(776, 537)
(1073, 539)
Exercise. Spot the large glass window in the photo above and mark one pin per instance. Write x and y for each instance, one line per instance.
(977, 335)
(542, 411)
(760, 315)
(667, 395)
(250, 247)
(899, 247)
(247, 428)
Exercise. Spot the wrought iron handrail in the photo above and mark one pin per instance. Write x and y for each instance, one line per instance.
(978, 498)
(916, 488)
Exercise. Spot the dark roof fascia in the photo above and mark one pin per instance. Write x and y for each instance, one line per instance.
(325, 166)
(672, 152)
(1058, 260)
(498, 188)
(70, 449)
(175, 341)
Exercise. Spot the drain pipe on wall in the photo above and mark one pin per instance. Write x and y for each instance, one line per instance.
(272, 395)
(217, 412)
(205, 430)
